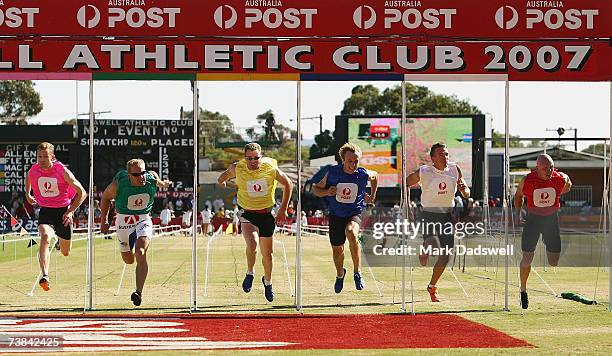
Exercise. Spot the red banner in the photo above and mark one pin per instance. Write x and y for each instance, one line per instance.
(492, 19)
(567, 61)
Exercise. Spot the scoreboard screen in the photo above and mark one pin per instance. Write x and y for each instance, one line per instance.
(166, 146)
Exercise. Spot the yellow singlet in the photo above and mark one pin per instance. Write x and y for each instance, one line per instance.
(256, 188)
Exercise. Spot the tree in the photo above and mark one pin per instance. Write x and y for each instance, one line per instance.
(324, 145)
(597, 149)
(18, 101)
(214, 127)
(498, 140)
(367, 100)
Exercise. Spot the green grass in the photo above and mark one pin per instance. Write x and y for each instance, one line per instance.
(551, 324)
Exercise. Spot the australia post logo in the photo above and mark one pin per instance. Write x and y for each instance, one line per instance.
(544, 197)
(47, 186)
(138, 201)
(346, 192)
(273, 16)
(547, 15)
(138, 16)
(257, 187)
(415, 16)
(442, 188)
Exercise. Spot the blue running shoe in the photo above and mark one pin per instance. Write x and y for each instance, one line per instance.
(339, 282)
(267, 290)
(247, 283)
(358, 281)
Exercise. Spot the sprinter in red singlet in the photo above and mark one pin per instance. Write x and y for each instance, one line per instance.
(542, 188)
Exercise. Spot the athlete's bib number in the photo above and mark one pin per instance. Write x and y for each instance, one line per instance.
(138, 201)
(346, 193)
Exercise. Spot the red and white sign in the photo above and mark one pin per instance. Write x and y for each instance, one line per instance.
(509, 19)
(379, 131)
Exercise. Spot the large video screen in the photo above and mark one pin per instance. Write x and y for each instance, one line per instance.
(379, 139)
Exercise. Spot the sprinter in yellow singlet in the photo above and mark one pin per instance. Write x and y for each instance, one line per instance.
(256, 178)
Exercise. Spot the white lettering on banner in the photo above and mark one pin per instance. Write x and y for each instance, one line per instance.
(416, 18)
(14, 17)
(220, 56)
(554, 18)
(89, 16)
(226, 17)
(507, 17)
(445, 58)
(403, 3)
(547, 57)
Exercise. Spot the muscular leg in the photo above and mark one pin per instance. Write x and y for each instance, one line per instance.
(46, 232)
(352, 231)
(438, 268)
(266, 246)
(142, 267)
(65, 246)
(251, 234)
(338, 252)
(553, 258)
(525, 268)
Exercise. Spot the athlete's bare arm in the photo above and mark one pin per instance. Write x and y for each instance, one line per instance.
(29, 197)
(568, 184)
(161, 183)
(287, 184)
(373, 178)
(413, 178)
(518, 199)
(109, 194)
(229, 173)
(320, 190)
(461, 185)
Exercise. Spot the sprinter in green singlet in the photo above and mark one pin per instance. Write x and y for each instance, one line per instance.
(134, 191)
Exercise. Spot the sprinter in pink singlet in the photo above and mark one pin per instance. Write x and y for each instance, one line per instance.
(58, 194)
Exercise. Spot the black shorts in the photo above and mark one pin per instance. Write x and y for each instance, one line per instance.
(548, 226)
(337, 228)
(437, 224)
(55, 217)
(263, 221)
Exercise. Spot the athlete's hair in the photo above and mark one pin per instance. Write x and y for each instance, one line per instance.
(46, 146)
(349, 147)
(252, 146)
(435, 146)
(134, 162)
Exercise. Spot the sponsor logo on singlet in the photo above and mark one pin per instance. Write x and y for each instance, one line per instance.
(138, 201)
(442, 188)
(544, 197)
(346, 193)
(48, 187)
(257, 187)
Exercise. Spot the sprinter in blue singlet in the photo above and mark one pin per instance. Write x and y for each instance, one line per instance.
(344, 191)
